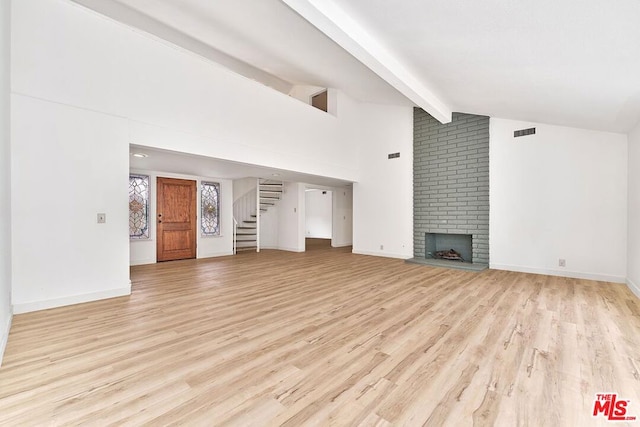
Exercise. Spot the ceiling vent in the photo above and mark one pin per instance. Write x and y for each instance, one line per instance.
(524, 132)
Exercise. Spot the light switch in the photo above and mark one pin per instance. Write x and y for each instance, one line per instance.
(102, 218)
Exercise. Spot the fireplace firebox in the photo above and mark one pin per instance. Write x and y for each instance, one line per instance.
(449, 246)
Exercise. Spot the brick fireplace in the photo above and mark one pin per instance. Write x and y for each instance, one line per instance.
(451, 184)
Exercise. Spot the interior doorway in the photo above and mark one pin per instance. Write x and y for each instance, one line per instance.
(318, 218)
(176, 219)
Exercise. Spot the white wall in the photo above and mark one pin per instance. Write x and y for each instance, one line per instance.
(342, 233)
(143, 251)
(174, 99)
(5, 174)
(383, 195)
(291, 214)
(319, 213)
(68, 165)
(269, 227)
(283, 228)
(243, 186)
(633, 248)
(85, 87)
(560, 193)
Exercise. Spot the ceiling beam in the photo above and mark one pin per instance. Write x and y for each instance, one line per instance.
(352, 37)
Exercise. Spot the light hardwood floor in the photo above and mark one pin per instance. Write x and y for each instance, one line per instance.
(326, 338)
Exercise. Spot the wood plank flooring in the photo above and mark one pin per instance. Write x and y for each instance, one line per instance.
(326, 337)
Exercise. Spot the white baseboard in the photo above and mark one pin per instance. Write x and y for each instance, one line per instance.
(633, 287)
(282, 248)
(289, 249)
(4, 334)
(561, 273)
(147, 261)
(142, 261)
(70, 300)
(215, 254)
(382, 254)
(341, 245)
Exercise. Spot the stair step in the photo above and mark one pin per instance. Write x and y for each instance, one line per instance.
(245, 234)
(269, 197)
(266, 184)
(250, 221)
(245, 240)
(245, 249)
(246, 228)
(267, 204)
(239, 245)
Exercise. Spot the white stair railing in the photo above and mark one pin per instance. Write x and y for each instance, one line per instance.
(245, 206)
(243, 211)
(258, 215)
(247, 210)
(235, 234)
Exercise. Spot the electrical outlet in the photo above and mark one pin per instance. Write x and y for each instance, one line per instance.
(562, 262)
(381, 247)
(102, 218)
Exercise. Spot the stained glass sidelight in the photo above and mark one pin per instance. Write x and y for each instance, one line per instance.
(210, 217)
(138, 207)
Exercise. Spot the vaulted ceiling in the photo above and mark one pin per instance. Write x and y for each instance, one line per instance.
(570, 62)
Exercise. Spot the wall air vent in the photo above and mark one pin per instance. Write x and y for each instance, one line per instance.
(393, 156)
(524, 132)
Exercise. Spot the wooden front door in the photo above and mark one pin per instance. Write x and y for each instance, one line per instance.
(176, 212)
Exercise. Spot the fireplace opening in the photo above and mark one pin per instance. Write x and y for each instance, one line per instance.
(451, 255)
(448, 246)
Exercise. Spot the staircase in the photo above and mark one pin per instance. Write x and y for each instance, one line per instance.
(247, 235)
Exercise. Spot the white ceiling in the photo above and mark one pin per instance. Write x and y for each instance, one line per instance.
(573, 63)
(569, 62)
(188, 164)
(264, 34)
